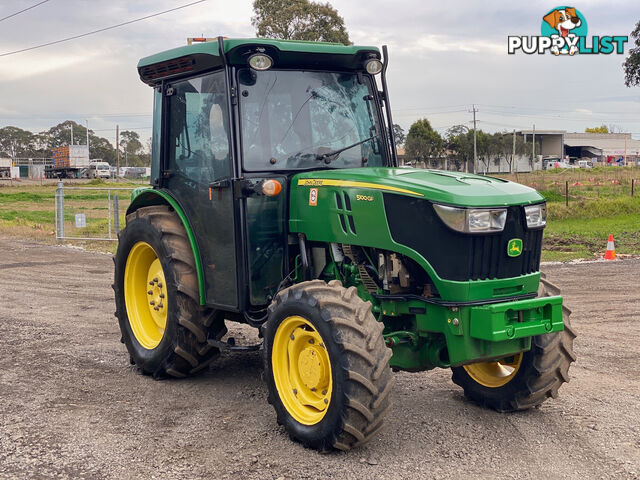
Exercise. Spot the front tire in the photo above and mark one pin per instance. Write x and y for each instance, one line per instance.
(326, 366)
(525, 380)
(162, 325)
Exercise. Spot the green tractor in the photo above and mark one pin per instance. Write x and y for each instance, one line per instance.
(276, 200)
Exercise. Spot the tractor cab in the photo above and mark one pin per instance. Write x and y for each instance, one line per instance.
(230, 115)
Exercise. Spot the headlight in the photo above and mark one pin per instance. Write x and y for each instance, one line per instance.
(373, 66)
(536, 215)
(260, 61)
(472, 220)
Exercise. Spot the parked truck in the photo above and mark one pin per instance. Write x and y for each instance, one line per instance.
(70, 161)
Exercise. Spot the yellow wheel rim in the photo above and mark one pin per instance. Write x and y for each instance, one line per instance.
(495, 374)
(301, 370)
(145, 295)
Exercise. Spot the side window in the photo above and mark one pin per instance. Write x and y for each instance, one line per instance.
(199, 130)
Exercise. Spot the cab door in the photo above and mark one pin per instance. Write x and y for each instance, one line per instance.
(197, 172)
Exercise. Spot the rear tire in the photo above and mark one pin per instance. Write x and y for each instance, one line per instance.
(326, 324)
(528, 380)
(179, 347)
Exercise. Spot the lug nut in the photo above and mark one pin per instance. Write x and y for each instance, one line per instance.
(161, 295)
(311, 341)
(150, 292)
(292, 337)
(151, 283)
(155, 280)
(152, 302)
(159, 285)
(160, 305)
(324, 392)
(295, 392)
(326, 401)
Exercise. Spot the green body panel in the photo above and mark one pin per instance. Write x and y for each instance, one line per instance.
(146, 196)
(365, 187)
(425, 335)
(211, 48)
(471, 334)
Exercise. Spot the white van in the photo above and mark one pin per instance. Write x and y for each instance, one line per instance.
(585, 164)
(99, 170)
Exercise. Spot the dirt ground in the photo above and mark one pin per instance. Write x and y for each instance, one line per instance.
(73, 407)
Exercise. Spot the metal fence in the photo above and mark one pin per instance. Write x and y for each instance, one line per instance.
(90, 213)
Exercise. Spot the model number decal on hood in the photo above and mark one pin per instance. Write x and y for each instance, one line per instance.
(326, 182)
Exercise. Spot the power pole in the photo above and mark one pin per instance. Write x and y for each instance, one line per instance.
(89, 156)
(117, 152)
(72, 134)
(475, 147)
(513, 155)
(533, 146)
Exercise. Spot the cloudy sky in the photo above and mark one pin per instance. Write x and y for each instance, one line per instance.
(445, 56)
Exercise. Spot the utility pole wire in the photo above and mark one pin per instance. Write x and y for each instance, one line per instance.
(23, 10)
(100, 30)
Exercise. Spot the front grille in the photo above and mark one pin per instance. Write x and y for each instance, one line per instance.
(458, 256)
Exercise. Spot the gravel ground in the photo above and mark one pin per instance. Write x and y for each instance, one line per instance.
(73, 407)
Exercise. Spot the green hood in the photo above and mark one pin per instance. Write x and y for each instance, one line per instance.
(453, 188)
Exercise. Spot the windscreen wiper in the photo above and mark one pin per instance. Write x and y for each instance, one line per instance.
(326, 157)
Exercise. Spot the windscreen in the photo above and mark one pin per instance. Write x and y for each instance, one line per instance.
(301, 120)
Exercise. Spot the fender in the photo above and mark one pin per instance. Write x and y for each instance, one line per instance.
(147, 196)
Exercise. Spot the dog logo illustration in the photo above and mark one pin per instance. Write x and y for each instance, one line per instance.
(564, 25)
(564, 32)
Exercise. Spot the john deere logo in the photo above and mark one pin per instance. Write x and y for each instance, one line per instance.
(514, 247)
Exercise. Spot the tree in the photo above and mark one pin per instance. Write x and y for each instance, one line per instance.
(398, 135)
(423, 143)
(16, 142)
(503, 147)
(459, 143)
(132, 148)
(60, 135)
(632, 64)
(600, 129)
(299, 20)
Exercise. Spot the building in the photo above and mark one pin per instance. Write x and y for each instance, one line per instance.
(606, 148)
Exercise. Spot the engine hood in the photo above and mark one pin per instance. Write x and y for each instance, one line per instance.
(452, 188)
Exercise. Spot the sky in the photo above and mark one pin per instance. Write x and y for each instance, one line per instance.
(444, 58)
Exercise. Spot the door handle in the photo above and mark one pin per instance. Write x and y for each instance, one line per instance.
(225, 183)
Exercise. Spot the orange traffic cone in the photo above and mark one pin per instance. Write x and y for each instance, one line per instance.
(610, 254)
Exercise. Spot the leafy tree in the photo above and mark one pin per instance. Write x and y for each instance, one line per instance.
(398, 135)
(632, 64)
(600, 129)
(16, 142)
(423, 143)
(503, 147)
(60, 135)
(459, 143)
(132, 148)
(299, 20)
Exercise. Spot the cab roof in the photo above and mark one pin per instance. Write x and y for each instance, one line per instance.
(292, 54)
